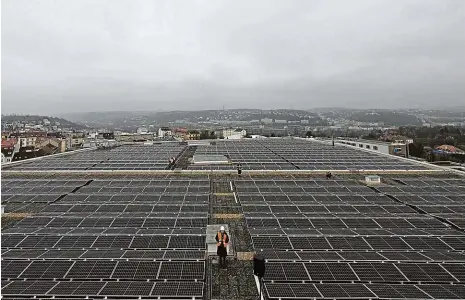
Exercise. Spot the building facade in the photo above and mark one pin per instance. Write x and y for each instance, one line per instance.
(234, 134)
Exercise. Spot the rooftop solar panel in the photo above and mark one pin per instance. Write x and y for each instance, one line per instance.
(136, 235)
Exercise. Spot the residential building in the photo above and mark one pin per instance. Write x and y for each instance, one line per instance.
(234, 134)
(74, 142)
(164, 132)
(27, 141)
(134, 137)
(180, 132)
(9, 147)
(192, 135)
(448, 149)
(50, 145)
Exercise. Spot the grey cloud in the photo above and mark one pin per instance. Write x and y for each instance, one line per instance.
(61, 56)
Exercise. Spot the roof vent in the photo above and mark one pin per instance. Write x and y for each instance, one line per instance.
(372, 179)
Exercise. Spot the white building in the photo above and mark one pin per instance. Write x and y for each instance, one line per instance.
(234, 134)
(164, 132)
(27, 141)
(280, 121)
(5, 159)
(397, 148)
(266, 120)
(142, 130)
(74, 142)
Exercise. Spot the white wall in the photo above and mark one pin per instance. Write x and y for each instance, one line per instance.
(234, 137)
(231, 134)
(382, 148)
(163, 133)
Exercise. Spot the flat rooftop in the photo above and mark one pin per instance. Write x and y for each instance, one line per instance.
(264, 154)
(119, 224)
(372, 142)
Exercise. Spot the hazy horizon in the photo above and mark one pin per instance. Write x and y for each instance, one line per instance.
(456, 109)
(60, 57)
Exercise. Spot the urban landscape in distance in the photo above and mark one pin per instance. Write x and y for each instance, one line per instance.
(431, 135)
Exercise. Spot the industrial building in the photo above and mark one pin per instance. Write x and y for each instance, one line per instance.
(398, 148)
(123, 223)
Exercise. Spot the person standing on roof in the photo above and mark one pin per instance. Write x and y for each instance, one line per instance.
(239, 169)
(222, 240)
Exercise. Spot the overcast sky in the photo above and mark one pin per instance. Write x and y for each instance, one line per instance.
(78, 55)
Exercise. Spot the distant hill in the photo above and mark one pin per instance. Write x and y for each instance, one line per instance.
(387, 117)
(39, 119)
(127, 120)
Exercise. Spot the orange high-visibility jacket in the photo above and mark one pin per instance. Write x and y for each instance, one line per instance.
(222, 238)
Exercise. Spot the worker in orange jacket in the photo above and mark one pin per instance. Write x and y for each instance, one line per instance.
(222, 240)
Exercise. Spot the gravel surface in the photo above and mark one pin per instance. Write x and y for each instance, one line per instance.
(235, 282)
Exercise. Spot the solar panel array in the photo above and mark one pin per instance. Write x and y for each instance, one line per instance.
(132, 235)
(126, 157)
(292, 154)
(338, 239)
(100, 240)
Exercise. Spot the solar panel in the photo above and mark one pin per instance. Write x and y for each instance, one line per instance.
(286, 272)
(456, 243)
(344, 291)
(127, 289)
(456, 270)
(354, 243)
(397, 291)
(292, 290)
(174, 289)
(330, 272)
(77, 288)
(438, 291)
(264, 242)
(46, 269)
(13, 268)
(76, 242)
(425, 273)
(28, 288)
(181, 270)
(361, 256)
(322, 238)
(62, 254)
(387, 243)
(91, 269)
(309, 243)
(136, 270)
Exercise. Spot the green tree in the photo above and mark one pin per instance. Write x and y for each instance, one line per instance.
(204, 134)
(449, 141)
(308, 134)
